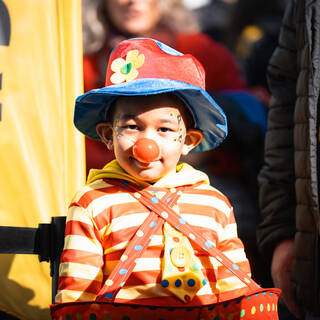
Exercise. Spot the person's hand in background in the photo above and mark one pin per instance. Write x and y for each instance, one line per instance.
(281, 272)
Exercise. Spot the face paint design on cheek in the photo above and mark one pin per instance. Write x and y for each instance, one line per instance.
(180, 130)
(180, 136)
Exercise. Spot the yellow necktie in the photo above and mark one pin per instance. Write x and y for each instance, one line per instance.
(181, 270)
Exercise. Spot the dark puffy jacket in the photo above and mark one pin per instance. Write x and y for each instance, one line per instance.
(289, 179)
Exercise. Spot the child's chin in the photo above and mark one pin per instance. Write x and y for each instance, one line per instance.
(148, 176)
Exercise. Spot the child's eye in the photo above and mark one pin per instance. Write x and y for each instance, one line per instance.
(131, 127)
(164, 129)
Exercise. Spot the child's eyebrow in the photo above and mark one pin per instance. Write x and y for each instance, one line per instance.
(127, 116)
(167, 120)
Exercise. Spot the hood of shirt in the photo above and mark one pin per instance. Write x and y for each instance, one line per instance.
(183, 175)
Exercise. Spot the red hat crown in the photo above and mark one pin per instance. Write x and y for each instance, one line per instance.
(149, 59)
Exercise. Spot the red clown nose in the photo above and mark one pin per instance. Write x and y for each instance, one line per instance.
(146, 150)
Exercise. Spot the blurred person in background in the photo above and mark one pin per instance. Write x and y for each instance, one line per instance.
(253, 35)
(214, 18)
(289, 181)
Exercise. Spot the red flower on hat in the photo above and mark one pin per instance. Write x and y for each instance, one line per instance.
(126, 70)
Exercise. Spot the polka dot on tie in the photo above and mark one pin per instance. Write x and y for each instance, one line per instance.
(172, 190)
(140, 233)
(109, 295)
(195, 267)
(182, 221)
(138, 248)
(137, 195)
(165, 283)
(178, 283)
(191, 282)
(123, 271)
(187, 298)
(164, 215)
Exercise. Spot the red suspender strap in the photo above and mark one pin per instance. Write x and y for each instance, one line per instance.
(162, 208)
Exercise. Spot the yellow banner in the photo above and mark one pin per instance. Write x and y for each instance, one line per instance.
(42, 155)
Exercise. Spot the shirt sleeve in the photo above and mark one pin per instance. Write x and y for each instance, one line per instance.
(81, 263)
(231, 245)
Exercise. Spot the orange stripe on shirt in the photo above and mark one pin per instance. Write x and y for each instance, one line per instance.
(144, 277)
(94, 194)
(80, 228)
(83, 257)
(79, 284)
(203, 210)
(150, 252)
(208, 192)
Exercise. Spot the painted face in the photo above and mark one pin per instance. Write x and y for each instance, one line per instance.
(158, 118)
(134, 17)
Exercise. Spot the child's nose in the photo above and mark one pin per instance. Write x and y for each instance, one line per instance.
(146, 150)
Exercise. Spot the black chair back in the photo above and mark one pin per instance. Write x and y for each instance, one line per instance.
(46, 241)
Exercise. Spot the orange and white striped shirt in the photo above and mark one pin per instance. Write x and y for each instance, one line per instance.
(103, 218)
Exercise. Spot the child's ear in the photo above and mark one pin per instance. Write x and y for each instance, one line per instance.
(193, 138)
(105, 132)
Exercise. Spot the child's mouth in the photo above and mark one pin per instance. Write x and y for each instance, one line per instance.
(143, 165)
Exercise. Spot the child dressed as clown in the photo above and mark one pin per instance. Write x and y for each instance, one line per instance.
(142, 230)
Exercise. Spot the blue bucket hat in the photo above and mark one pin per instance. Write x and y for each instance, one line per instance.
(144, 66)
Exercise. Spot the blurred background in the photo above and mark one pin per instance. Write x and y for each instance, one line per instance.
(53, 51)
